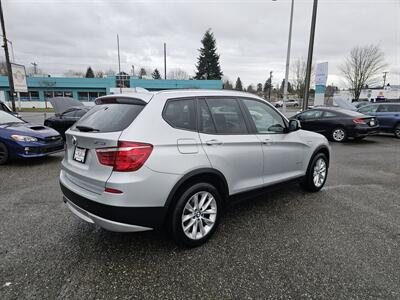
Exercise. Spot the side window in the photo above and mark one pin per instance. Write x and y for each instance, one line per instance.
(2, 107)
(394, 108)
(181, 114)
(227, 116)
(311, 114)
(79, 113)
(206, 121)
(69, 114)
(368, 109)
(383, 108)
(329, 114)
(265, 118)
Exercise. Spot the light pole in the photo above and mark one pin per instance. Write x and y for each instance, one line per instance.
(310, 55)
(285, 87)
(8, 63)
(270, 86)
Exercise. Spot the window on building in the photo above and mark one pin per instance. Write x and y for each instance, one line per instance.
(48, 94)
(58, 94)
(68, 94)
(93, 96)
(24, 96)
(83, 96)
(34, 95)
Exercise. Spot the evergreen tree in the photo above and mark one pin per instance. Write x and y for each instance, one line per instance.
(208, 62)
(142, 73)
(238, 85)
(156, 74)
(250, 89)
(267, 86)
(290, 90)
(228, 85)
(89, 73)
(259, 88)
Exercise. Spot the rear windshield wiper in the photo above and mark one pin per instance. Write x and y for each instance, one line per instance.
(87, 129)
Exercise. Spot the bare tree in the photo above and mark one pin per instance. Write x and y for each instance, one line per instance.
(299, 68)
(3, 68)
(178, 74)
(361, 67)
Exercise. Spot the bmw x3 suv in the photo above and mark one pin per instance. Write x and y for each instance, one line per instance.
(176, 159)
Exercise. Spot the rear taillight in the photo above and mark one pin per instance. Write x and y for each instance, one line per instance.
(359, 121)
(127, 157)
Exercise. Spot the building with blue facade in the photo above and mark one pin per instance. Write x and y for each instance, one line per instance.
(88, 89)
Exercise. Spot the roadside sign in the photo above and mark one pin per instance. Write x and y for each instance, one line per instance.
(321, 76)
(19, 78)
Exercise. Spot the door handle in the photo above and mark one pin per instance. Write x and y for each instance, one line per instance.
(213, 142)
(266, 141)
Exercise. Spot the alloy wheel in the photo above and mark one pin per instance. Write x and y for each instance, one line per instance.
(338, 135)
(199, 215)
(397, 132)
(319, 172)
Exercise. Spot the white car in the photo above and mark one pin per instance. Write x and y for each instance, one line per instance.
(175, 159)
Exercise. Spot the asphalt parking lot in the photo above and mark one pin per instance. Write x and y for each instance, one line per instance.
(343, 242)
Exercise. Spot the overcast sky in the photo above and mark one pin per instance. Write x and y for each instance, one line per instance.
(251, 35)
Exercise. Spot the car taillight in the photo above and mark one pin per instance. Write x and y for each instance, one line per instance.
(127, 157)
(359, 121)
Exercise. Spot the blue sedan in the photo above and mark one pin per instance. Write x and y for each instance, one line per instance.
(19, 139)
(388, 115)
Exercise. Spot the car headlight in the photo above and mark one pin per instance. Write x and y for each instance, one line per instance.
(23, 138)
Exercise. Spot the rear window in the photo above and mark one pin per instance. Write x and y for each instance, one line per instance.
(109, 117)
(181, 114)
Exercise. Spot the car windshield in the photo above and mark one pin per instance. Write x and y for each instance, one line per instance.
(6, 118)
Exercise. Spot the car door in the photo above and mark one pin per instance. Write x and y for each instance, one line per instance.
(311, 120)
(229, 144)
(386, 114)
(284, 152)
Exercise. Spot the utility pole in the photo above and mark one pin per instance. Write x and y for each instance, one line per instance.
(384, 79)
(133, 70)
(9, 70)
(165, 61)
(119, 67)
(285, 88)
(310, 55)
(34, 67)
(270, 86)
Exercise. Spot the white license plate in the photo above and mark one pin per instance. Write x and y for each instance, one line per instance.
(80, 155)
(372, 123)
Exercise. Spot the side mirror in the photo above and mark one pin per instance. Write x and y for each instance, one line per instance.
(294, 125)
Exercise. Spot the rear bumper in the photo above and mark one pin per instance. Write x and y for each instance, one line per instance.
(360, 132)
(114, 218)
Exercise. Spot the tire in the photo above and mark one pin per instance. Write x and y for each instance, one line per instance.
(338, 135)
(312, 183)
(4, 157)
(200, 225)
(397, 131)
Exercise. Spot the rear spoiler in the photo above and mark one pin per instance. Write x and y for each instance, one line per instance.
(119, 100)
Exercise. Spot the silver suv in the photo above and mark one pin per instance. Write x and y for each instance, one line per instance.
(176, 159)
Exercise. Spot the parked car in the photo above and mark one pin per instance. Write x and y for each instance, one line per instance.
(4, 107)
(19, 139)
(388, 115)
(338, 124)
(67, 112)
(289, 103)
(175, 159)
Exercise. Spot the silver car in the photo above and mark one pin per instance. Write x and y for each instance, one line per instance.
(175, 159)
